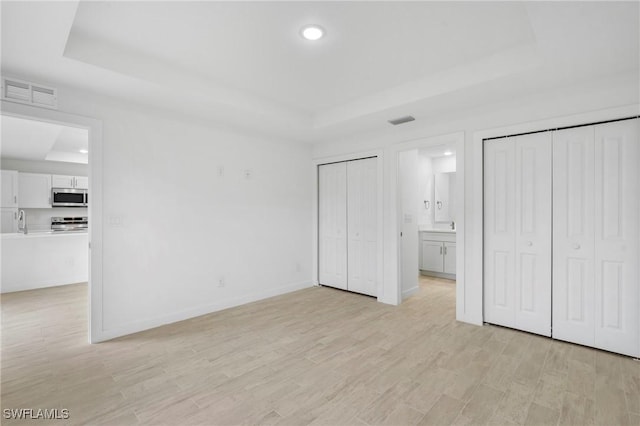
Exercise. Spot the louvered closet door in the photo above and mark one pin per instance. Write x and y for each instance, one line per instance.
(573, 235)
(362, 226)
(617, 214)
(518, 232)
(332, 225)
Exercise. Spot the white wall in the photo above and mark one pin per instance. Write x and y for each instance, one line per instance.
(444, 164)
(408, 176)
(428, 167)
(597, 95)
(180, 214)
(425, 189)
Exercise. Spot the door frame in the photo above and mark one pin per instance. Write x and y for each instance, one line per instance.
(95, 208)
(315, 206)
(457, 139)
(473, 290)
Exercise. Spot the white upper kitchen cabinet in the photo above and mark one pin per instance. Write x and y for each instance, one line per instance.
(9, 188)
(64, 181)
(82, 182)
(35, 190)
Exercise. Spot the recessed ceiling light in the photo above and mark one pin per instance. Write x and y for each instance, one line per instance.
(448, 153)
(83, 151)
(312, 32)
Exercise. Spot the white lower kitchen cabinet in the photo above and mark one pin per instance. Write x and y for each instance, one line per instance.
(43, 259)
(438, 253)
(8, 219)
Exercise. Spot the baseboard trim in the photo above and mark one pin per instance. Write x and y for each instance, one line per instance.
(138, 326)
(13, 287)
(410, 292)
(438, 275)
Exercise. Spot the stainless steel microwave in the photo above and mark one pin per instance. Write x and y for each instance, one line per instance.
(69, 197)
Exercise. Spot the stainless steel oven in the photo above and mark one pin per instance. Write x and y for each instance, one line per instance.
(69, 197)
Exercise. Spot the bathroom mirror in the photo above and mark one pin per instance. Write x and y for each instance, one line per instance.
(444, 202)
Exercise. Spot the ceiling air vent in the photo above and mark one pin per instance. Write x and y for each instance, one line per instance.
(401, 120)
(29, 93)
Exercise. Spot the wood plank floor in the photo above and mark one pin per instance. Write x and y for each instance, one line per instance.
(316, 356)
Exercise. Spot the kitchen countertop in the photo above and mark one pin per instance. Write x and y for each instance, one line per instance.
(42, 233)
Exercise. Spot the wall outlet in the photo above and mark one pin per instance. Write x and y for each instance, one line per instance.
(221, 282)
(248, 173)
(220, 171)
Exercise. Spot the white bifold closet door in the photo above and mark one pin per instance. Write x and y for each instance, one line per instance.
(517, 232)
(332, 225)
(362, 211)
(596, 236)
(347, 222)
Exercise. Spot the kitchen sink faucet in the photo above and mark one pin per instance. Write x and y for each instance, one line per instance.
(22, 222)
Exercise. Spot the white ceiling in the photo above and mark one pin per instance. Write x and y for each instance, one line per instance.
(37, 140)
(244, 63)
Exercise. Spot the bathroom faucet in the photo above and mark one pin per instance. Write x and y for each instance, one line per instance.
(22, 222)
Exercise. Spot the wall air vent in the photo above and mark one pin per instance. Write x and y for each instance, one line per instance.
(401, 120)
(29, 93)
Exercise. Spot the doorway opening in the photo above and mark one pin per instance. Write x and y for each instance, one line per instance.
(428, 211)
(46, 219)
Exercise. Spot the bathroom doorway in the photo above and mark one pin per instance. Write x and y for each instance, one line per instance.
(428, 210)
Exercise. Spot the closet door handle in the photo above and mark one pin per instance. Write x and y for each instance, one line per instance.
(439, 204)
(427, 204)
(529, 243)
(576, 246)
(445, 250)
(440, 249)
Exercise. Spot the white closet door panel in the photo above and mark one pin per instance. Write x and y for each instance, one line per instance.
(532, 284)
(617, 210)
(573, 235)
(332, 224)
(499, 231)
(362, 226)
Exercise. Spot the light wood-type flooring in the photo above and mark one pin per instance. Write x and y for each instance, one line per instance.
(316, 356)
